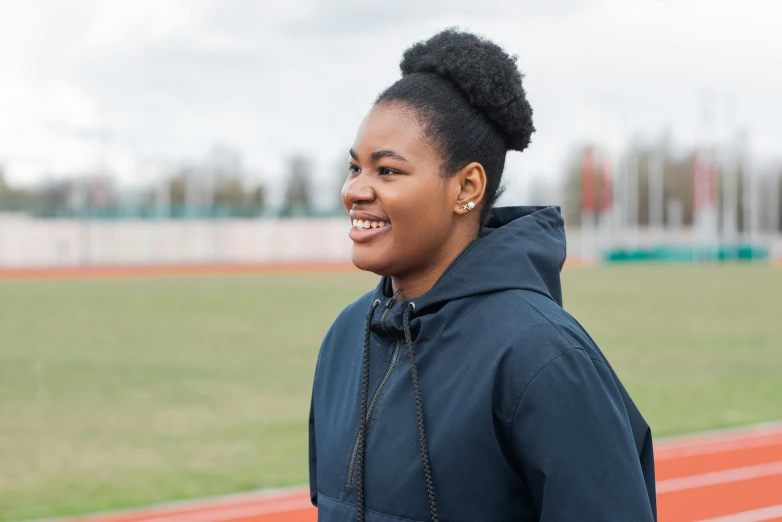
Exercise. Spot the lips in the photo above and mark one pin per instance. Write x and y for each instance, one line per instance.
(367, 227)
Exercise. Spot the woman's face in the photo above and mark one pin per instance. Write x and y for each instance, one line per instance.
(395, 187)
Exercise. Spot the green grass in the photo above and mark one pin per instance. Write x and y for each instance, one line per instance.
(116, 393)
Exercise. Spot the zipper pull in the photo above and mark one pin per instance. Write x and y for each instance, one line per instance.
(390, 303)
(392, 300)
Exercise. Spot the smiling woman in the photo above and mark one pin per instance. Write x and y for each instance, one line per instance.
(503, 408)
(434, 143)
(395, 179)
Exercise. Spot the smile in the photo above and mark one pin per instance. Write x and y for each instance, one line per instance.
(362, 225)
(365, 231)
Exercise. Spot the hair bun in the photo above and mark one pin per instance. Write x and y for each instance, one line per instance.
(484, 72)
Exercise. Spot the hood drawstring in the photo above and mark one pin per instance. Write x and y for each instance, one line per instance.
(362, 437)
(419, 411)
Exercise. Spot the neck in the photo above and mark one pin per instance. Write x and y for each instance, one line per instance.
(417, 283)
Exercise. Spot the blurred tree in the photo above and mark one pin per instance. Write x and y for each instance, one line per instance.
(341, 173)
(257, 196)
(12, 197)
(230, 192)
(60, 194)
(211, 184)
(298, 197)
(677, 185)
(177, 186)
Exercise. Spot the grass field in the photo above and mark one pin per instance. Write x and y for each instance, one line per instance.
(123, 392)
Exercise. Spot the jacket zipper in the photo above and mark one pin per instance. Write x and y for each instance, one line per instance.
(370, 409)
(389, 305)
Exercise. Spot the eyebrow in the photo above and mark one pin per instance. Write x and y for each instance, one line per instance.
(380, 154)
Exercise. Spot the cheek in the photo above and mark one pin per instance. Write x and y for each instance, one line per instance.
(420, 212)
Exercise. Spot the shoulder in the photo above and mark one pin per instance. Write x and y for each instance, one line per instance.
(557, 323)
(541, 336)
(530, 323)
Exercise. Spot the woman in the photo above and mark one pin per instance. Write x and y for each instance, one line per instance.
(476, 396)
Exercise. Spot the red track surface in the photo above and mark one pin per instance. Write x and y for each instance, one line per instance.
(109, 271)
(723, 477)
(90, 272)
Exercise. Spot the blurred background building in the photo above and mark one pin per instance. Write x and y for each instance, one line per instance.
(189, 133)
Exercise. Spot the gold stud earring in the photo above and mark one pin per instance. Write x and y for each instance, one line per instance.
(468, 206)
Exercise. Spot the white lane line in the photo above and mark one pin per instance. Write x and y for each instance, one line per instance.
(756, 515)
(761, 428)
(719, 477)
(706, 448)
(177, 507)
(232, 513)
(718, 439)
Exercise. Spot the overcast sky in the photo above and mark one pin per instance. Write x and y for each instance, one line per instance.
(168, 80)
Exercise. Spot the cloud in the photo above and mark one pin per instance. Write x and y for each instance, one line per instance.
(169, 80)
(345, 18)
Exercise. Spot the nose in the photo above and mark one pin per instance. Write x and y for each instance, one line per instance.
(357, 189)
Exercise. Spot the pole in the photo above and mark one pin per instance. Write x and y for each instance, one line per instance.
(620, 201)
(606, 193)
(751, 214)
(587, 203)
(631, 192)
(730, 198)
(656, 191)
(773, 202)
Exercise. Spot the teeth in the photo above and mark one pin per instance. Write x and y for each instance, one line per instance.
(361, 225)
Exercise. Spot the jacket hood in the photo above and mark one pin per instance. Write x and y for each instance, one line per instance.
(521, 248)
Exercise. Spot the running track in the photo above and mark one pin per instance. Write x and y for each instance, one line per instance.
(731, 476)
(723, 477)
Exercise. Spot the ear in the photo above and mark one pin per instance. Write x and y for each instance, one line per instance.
(470, 186)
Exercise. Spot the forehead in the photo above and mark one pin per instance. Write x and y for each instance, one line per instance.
(393, 127)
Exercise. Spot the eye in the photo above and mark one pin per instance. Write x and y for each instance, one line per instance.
(384, 171)
(354, 169)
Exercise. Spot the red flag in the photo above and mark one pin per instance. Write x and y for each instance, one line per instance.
(588, 182)
(606, 189)
(704, 183)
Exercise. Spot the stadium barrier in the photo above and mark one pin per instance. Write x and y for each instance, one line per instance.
(29, 242)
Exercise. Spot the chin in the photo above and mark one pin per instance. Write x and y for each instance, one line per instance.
(371, 262)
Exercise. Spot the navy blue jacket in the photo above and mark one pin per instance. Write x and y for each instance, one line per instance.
(525, 420)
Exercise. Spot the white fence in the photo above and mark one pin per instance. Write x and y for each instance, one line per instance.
(26, 242)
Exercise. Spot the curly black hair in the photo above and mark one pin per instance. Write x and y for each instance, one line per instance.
(468, 92)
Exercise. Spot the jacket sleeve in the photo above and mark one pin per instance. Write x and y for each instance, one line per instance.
(571, 434)
(313, 456)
